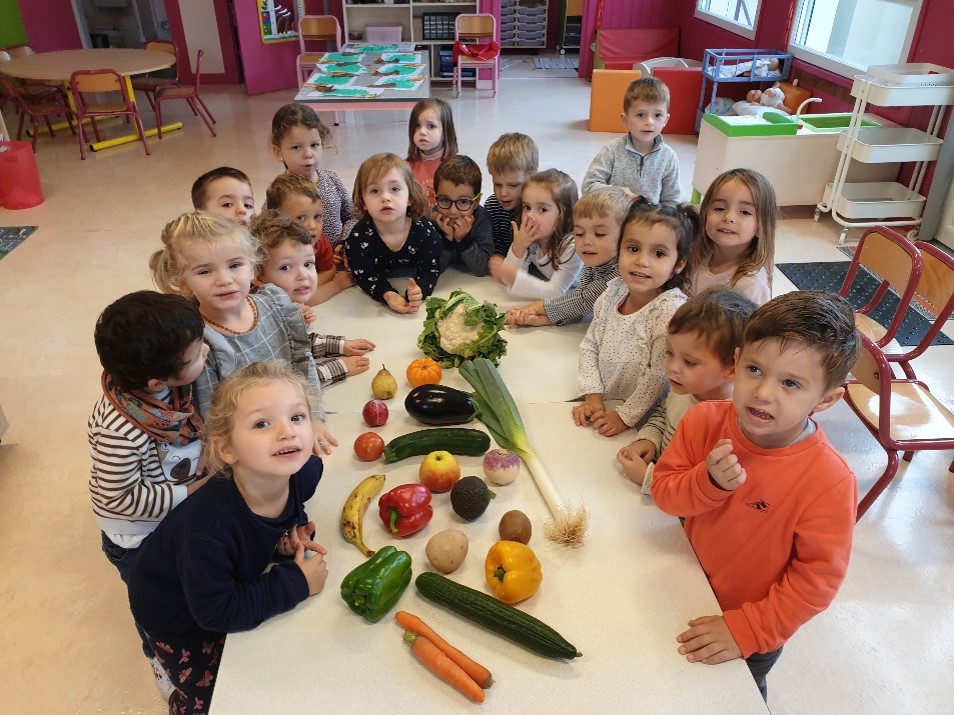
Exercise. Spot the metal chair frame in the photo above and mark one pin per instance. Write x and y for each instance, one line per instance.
(84, 82)
(150, 85)
(27, 106)
(188, 92)
(315, 28)
(475, 27)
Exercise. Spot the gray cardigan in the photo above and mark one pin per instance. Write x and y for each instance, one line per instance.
(654, 176)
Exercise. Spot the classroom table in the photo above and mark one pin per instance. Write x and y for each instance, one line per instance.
(621, 599)
(58, 66)
(540, 364)
(389, 99)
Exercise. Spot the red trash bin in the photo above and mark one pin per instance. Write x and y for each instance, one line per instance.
(19, 176)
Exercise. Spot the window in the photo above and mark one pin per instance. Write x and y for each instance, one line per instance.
(846, 36)
(738, 16)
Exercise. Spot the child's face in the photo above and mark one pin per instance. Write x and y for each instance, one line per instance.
(644, 121)
(386, 198)
(291, 267)
(776, 389)
(271, 433)
(230, 198)
(218, 276)
(731, 222)
(596, 239)
(308, 213)
(193, 361)
(300, 150)
(693, 368)
(429, 134)
(648, 257)
(540, 206)
(449, 193)
(508, 187)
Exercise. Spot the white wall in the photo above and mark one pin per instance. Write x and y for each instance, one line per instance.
(202, 33)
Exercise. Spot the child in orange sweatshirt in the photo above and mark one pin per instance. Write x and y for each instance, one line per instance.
(769, 505)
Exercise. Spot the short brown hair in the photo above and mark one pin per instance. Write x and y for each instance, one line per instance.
(200, 186)
(646, 89)
(272, 229)
(606, 202)
(298, 115)
(459, 170)
(286, 185)
(820, 320)
(718, 316)
(376, 167)
(513, 152)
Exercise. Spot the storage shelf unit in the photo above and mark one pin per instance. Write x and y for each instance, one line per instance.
(860, 205)
(572, 29)
(720, 66)
(430, 24)
(523, 23)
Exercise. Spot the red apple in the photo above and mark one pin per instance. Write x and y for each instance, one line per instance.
(375, 413)
(439, 472)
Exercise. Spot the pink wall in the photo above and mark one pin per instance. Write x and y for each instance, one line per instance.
(624, 13)
(267, 68)
(50, 25)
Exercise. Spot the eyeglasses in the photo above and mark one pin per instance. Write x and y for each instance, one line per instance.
(445, 202)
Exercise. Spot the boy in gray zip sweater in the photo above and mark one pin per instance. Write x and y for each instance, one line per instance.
(639, 161)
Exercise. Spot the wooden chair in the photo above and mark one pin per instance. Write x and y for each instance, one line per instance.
(188, 92)
(895, 260)
(36, 109)
(105, 81)
(315, 28)
(149, 85)
(475, 28)
(901, 414)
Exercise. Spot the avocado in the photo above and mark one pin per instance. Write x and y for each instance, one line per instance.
(470, 497)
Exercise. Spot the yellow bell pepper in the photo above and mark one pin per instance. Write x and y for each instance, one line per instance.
(513, 571)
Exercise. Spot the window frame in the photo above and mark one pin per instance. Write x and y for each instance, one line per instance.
(727, 24)
(837, 65)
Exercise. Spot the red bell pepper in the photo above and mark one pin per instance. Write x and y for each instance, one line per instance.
(406, 509)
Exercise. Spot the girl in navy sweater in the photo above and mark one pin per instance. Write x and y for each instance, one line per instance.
(201, 573)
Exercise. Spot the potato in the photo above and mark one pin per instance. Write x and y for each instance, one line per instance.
(515, 526)
(446, 550)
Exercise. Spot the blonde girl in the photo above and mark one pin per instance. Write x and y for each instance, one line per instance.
(299, 140)
(204, 572)
(623, 355)
(212, 261)
(737, 247)
(392, 233)
(542, 261)
(431, 140)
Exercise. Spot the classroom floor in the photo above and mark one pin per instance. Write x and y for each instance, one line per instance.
(67, 644)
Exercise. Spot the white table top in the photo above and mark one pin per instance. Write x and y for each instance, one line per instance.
(540, 364)
(60, 65)
(621, 599)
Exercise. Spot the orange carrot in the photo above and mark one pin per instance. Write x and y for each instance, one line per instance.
(443, 667)
(477, 672)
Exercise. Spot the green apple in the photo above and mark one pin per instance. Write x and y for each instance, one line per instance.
(439, 471)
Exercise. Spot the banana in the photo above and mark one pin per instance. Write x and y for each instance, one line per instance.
(352, 515)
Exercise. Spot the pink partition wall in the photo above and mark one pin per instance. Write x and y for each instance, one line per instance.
(625, 13)
(267, 68)
(50, 25)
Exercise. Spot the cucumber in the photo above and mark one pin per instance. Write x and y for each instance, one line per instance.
(456, 440)
(487, 611)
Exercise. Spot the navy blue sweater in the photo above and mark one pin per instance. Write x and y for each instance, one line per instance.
(203, 567)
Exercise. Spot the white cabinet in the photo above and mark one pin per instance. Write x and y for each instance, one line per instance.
(888, 203)
(423, 23)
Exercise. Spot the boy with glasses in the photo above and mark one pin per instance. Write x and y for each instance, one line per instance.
(464, 225)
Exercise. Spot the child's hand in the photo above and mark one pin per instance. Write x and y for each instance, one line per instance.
(397, 303)
(462, 227)
(341, 260)
(356, 364)
(343, 279)
(634, 466)
(324, 440)
(523, 235)
(708, 641)
(591, 408)
(415, 296)
(288, 544)
(724, 466)
(314, 569)
(306, 313)
(501, 271)
(642, 448)
(358, 346)
(608, 423)
(445, 224)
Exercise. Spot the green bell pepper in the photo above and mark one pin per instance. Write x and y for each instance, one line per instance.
(376, 585)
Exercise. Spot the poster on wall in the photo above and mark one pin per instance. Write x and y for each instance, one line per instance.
(278, 20)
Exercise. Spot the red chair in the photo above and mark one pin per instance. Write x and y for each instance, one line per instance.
(36, 109)
(86, 82)
(188, 92)
(901, 414)
(149, 85)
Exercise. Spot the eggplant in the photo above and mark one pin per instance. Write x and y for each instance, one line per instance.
(439, 405)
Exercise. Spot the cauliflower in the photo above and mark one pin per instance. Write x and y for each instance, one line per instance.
(459, 328)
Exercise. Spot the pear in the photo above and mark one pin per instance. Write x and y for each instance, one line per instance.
(384, 386)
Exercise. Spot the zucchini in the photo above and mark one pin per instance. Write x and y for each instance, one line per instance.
(456, 440)
(504, 620)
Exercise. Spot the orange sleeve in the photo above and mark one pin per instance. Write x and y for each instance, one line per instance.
(324, 255)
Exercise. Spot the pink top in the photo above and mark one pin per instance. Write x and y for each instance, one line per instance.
(754, 287)
(424, 173)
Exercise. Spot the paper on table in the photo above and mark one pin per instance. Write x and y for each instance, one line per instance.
(349, 92)
(331, 80)
(340, 68)
(400, 70)
(401, 83)
(402, 58)
(331, 57)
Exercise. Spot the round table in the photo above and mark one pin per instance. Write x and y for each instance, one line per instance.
(58, 66)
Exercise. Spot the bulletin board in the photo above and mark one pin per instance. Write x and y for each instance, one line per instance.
(278, 20)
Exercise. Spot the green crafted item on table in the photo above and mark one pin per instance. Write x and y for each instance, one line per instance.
(372, 589)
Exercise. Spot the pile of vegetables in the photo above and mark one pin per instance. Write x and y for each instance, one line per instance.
(460, 328)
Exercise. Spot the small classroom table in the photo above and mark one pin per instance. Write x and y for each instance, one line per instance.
(621, 599)
(58, 66)
(540, 364)
(388, 99)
